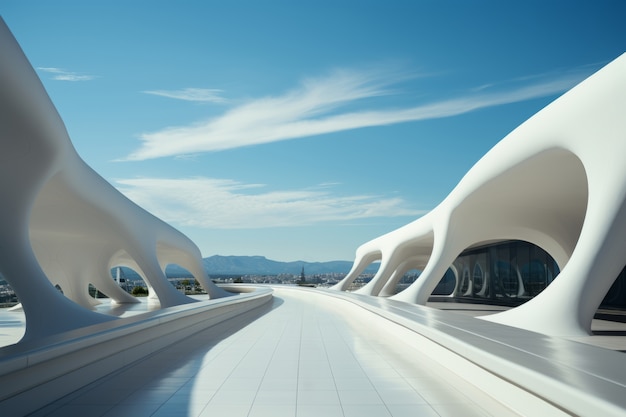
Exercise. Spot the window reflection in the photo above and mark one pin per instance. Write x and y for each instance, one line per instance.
(509, 273)
(506, 273)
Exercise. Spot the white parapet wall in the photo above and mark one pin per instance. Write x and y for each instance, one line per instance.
(531, 373)
(35, 374)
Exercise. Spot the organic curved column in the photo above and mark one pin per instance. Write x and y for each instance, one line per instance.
(34, 147)
(148, 265)
(444, 252)
(390, 264)
(389, 288)
(103, 281)
(190, 259)
(364, 257)
(77, 220)
(572, 299)
(76, 263)
(105, 284)
(411, 263)
(80, 290)
(66, 277)
(387, 265)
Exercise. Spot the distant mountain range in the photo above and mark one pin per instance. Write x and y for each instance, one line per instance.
(260, 265)
(253, 265)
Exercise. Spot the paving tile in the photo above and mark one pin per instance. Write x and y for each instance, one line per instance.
(317, 397)
(94, 410)
(279, 384)
(401, 396)
(272, 411)
(230, 410)
(129, 410)
(414, 410)
(367, 411)
(363, 397)
(316, 384)
(353, 384)
(319, 410)
(275, 397)
(233, 397)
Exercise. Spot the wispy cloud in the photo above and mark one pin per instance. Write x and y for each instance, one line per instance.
(226, 204)
(319, 106)
(191, 94)
(63, 75)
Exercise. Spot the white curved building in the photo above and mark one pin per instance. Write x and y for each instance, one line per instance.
(62, 224)
(558, 181)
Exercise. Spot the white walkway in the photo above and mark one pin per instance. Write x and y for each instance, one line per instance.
(311, 355)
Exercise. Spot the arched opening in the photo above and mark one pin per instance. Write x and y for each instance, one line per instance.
(122, 277)
(366, 275)
(448, 284)
(408, 278)
(183, 280)
(411, 260)
(504, 273)
(95, 292)
(613, 305)
(526, 221)
(542, 199)
(130, 280)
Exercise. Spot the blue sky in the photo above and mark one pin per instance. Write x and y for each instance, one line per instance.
(300, 130)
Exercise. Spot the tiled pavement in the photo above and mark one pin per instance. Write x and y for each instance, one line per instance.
(310, 355)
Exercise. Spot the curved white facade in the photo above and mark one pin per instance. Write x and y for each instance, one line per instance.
(62, 224)
(557, 181)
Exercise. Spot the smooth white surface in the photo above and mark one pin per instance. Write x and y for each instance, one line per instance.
(62, 224)
(310, 356)
(557, 181)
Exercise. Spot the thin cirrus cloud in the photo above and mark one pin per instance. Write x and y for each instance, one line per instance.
(226, 204)
(63, 75)
(207, 95)
(318, 106)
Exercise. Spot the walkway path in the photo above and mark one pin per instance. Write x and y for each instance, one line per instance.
(309, 355)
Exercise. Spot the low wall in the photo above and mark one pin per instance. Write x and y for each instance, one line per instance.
(34, 376)
(533, 374)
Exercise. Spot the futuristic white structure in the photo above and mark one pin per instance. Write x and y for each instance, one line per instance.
(557, 181)
(260, 354)
(62, 224)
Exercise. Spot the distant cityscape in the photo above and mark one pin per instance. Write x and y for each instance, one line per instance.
(230, 270)
(189, 285)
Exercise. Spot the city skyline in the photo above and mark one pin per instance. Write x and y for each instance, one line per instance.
(298, 132)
